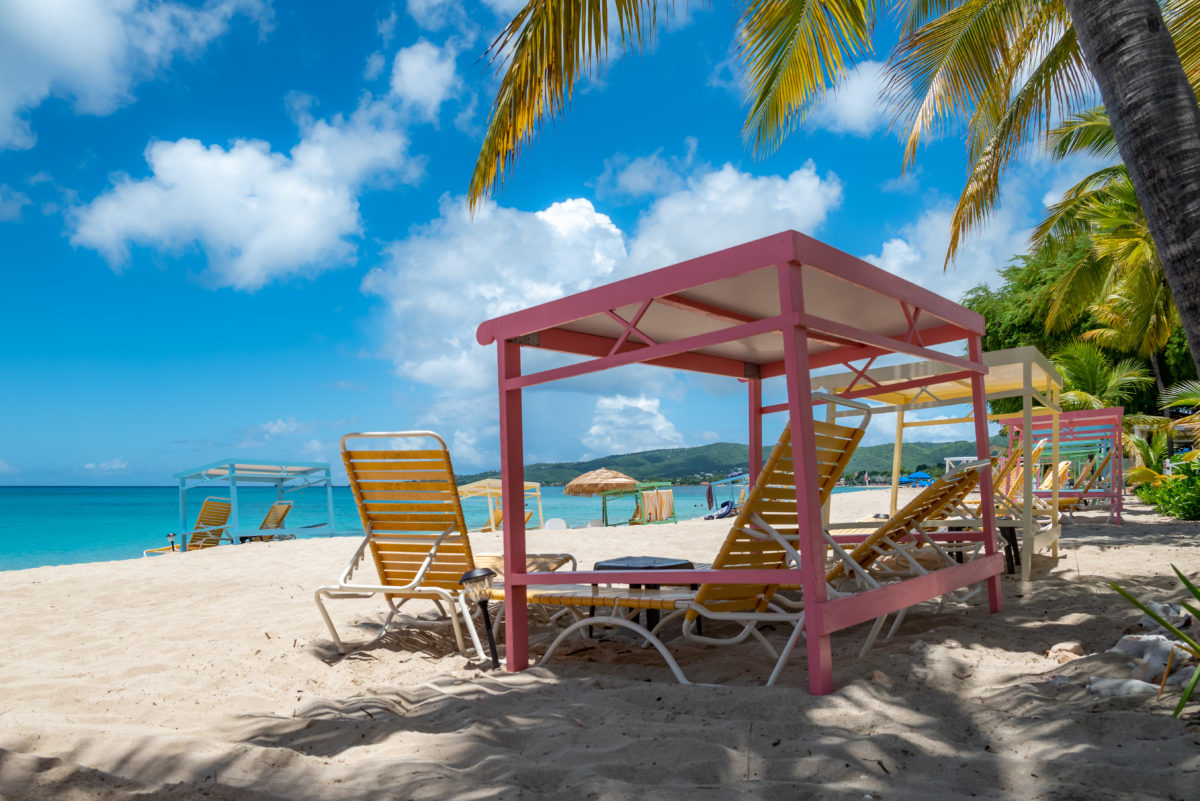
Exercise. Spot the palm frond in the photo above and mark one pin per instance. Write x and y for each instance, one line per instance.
(1086, 132)
(791, 52)
(1059, 80)
(546, 48)
(1185, 393)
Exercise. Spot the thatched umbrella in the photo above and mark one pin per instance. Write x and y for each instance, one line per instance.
(598, 481)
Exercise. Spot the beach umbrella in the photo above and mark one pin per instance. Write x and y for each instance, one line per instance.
(598, 481)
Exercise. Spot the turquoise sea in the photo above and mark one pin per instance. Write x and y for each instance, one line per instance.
(69, 525)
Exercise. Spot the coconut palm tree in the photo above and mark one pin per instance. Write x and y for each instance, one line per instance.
(1092, 381)
(1120, 280)
(1004, 66)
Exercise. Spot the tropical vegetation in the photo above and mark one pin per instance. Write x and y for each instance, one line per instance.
(1186, 641)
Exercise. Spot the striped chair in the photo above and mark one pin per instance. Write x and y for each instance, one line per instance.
(416, 538)
(211, 523)
(761, 537)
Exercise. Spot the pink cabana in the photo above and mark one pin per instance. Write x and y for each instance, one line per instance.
(1092, 430)
(779, 306)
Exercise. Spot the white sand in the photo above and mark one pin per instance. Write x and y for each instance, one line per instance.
(210, 675)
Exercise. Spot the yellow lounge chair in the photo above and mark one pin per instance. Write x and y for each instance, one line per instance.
(415, 533)
(760, 538)
(274, 520)
(1064, 472)
(1069, 504)
(496, 519)
(211, 523)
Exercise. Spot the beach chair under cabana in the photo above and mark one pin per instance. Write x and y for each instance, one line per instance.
(1073, 502)
(761, 537)
(1084, 433)
(212, 523)
(274, 520)
(1019, 373)
(489, 489)
(780, 307)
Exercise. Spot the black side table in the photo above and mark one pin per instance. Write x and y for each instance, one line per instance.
(643, 563)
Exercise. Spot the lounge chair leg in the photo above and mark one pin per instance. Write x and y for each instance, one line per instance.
(797, 632)
(618, 622)
(879, 621)
(466, 614)
(896, 624)
(318, 597)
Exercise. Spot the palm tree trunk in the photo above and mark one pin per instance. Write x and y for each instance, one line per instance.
(1158, 382)
(1156, 122)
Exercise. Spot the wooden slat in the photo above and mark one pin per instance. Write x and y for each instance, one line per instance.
(402, 455)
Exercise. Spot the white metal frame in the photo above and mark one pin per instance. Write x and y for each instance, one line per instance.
(285, 476)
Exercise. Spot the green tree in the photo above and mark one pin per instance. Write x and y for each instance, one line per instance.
(1119, 279)
(1092, 381)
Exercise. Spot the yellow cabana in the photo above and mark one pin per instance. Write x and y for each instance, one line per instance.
(490, 488)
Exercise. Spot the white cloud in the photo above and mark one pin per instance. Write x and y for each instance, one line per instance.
(112, 465)
(450, 275)
(650, 175)
(280, 426)
(919, 253)
(626, 425)
(506, 9)
(424, 77)
(375, 64)
(258, 215)
(456, 272)
(386, 28)
(11, 203)
(727, 207)
(853, 105)
(433, 15)
(6, 468)
(93, 52)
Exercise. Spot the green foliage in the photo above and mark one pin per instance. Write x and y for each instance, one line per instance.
(1179, 496)
(1177, 359)
(1189, 644)
(1092, 381)
(1016, 312)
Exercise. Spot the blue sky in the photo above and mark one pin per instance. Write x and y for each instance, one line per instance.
(238, 228)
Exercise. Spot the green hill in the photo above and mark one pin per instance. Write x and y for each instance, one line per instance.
(691, 465)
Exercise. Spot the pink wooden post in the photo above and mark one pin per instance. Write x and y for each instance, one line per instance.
(512, 486)
(754, 391)
(804, 462)
(983, 450)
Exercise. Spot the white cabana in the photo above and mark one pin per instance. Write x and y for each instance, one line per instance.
(284, 476)
(490, 488)
(1012, 373)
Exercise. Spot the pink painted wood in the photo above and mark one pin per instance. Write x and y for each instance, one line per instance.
(1086, 425)
(805, 340)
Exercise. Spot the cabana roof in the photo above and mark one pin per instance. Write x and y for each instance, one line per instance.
(254, 471)
(893, 384)
(490, 487)
(720, 314)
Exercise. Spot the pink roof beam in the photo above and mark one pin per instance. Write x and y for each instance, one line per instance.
(1098, 427)
(778, 306)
